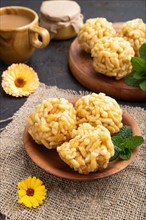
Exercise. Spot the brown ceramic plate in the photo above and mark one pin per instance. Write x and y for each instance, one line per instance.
(50, 161)
(81, 66)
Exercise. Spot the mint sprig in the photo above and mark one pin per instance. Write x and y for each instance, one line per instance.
(138, 75)
(125, 143)
(125, 132)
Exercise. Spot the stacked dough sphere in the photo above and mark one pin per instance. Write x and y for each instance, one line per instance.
(134, 31)
(80, 133)
(111, 51)
(112, 57)
(92, 30)
(89, 150)
(52, 122)
(99, 109)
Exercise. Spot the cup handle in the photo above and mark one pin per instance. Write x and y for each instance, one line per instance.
(45, 36)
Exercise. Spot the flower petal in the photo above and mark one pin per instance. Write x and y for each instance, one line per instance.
(38, 183)
(34, 202)
(40, 188)
(21, 200)
(40, 193)
(39, 198)
(22, 185)
(28, 182)
(21, 192)
(33, 181)
(27, 202)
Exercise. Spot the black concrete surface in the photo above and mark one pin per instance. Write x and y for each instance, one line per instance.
(51, 63)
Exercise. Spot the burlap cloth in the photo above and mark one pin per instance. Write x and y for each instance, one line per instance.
(118, 197)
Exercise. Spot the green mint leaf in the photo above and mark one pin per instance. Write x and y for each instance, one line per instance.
(117, 149)
(130, 81)
(125, 132)
(122, 145)
(139, 75)
(125, 154)
(125, 143)
(142, 85)
(117, 140)
(142, 51)
(133, 142)
(138, 64)
(116, 155)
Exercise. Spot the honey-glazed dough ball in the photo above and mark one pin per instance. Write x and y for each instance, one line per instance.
(99, 109)
(52, 122)
(92, 30)
(134, 31)
(112, 57)
(89, 151)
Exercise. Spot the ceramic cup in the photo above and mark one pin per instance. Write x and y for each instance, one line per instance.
(19, 34)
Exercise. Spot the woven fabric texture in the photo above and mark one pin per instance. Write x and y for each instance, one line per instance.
(118, 197)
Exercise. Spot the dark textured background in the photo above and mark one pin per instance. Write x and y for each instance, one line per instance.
(51, 63)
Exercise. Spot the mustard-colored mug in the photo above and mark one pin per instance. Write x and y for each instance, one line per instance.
(19, 34)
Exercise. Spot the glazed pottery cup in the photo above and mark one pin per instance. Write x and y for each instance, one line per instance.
(20, 34)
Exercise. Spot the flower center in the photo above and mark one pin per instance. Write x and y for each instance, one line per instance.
(19, 82)
(30, 192)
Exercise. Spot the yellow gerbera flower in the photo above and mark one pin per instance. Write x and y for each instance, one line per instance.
(19, 80)
(31, 192)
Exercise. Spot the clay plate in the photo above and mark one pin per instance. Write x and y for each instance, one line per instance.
(50, 161)
(81, 66)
